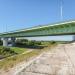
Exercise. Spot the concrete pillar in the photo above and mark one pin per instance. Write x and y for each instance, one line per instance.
(74, 38)
(13, 41)
(5, 41)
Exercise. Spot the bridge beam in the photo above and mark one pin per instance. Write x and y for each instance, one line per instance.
(5, 41)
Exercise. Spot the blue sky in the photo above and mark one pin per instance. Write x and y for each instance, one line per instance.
(20, 14)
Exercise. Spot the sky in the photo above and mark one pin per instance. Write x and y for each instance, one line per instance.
(20, 14)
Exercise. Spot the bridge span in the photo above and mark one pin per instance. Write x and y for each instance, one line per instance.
(63, 28)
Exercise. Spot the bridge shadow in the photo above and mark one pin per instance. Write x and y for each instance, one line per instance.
(29, 46)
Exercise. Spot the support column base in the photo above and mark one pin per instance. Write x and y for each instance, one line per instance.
(5, 42)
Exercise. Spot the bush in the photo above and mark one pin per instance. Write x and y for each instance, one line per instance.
(6, 51)
(21, 42)
(52, 42)
(31, 43)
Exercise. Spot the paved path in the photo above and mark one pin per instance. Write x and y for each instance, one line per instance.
(61, 61)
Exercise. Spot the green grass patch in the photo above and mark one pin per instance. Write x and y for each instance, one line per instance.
(11, 50)
(18, 50)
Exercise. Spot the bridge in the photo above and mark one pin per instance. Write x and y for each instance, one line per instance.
(63, 28)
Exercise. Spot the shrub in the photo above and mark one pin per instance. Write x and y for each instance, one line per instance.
(53, 42)
(6, 51)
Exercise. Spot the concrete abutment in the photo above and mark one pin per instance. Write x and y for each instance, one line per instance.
(6, 40)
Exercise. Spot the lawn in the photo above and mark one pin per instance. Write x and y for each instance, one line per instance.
(18, 50)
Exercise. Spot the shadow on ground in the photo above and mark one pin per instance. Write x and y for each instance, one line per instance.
(30, 47)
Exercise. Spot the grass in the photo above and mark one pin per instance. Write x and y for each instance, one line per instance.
(4, 52)
(9, 51)
(18, 50)
(10, 62)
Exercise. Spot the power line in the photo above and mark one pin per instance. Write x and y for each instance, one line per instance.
(61, 10)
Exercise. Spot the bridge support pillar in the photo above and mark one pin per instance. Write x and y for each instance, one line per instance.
(73, 37)
(13, 41)
(5, 41)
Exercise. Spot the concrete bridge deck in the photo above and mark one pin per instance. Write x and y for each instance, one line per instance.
(61, 61)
